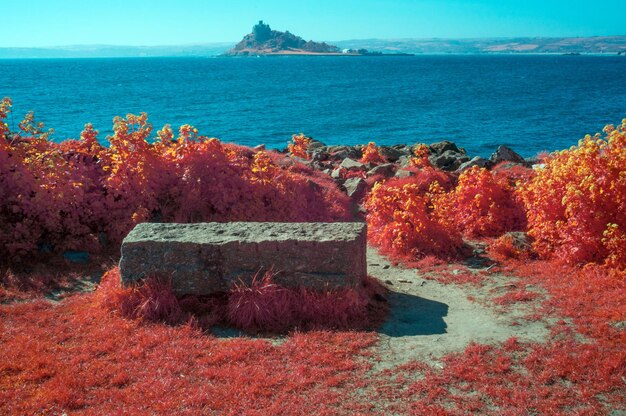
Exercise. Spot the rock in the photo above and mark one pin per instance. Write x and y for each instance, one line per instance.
(315, 144)
(440, 148)
(348, 151)
(403, 173)
(207, 258)
(355, 187)
(349, 164)
(390, 154)
(319, 155)
(476, 161)
(80, 257)
(504, 153)
(336, 174)
(404, 161)
(404, 149)
(340, 155)
(387, 170)
(448, 160)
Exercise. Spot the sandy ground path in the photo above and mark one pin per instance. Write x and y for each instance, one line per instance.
(429, 319)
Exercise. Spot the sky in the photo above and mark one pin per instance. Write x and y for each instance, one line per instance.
(40, 23)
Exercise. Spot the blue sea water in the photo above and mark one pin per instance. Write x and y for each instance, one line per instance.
(532, 103)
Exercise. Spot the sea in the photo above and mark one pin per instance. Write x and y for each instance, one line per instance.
(532, 103)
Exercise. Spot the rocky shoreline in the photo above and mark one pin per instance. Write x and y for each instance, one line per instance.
(343, 163)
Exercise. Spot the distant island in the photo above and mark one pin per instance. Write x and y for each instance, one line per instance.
(265, 41)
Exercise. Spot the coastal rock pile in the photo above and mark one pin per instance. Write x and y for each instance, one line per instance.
(355, 176)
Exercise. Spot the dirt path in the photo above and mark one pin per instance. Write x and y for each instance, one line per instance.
(429, 319)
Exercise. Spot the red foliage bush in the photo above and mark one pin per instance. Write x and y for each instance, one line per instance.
(426, 214)
(81, 195)
(403, 219)
(510, 246)
(484, 205)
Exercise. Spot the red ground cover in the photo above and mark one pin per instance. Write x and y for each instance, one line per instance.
(77, 358)
(82, 356)
(262, 306)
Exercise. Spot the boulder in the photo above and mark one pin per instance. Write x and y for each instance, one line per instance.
(504, 153)
(404, 161)
(476, 161)
(440, 148)
(315, 144)
(448, 160)
(390, 154)
(336, 173)
(208, 258)
(387, 170)
(355, 187)
(403, 173)
(349, 151)
(340, 155)
(349, 164)
(319, 155)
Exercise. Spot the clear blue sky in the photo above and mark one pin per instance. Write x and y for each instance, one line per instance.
(156, 22)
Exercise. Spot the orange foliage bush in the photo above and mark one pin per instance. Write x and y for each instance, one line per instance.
(371, 154)
(299, 146)
(79, 194)
(576, 203)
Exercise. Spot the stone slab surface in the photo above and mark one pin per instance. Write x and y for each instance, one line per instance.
(207, 258)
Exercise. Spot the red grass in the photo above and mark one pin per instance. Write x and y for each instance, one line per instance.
(74, 358)
(454, 274)
(514, 297)
(151, 301)
(262, 306)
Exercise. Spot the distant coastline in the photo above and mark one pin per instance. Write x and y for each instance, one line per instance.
(595, 46)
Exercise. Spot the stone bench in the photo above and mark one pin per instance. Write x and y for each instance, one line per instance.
(207, 258)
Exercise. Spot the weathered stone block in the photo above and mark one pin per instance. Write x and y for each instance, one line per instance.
(207, 258)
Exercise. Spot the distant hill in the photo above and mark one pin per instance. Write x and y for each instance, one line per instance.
(596, 44)
(115, 51)
(265, 41)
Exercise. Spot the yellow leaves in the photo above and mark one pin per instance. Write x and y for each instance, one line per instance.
(165, 134)
(263, 169)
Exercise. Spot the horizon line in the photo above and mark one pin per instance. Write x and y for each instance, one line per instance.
(340, 40)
